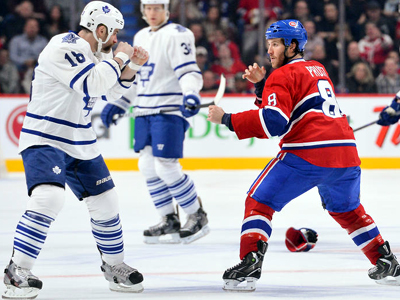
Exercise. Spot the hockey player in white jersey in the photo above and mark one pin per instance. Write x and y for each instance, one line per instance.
(58, 146)
(169, 79)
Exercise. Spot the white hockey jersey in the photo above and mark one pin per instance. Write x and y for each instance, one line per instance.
(170, 72)
(66, 84)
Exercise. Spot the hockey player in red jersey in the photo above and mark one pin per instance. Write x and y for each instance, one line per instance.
(318, 149)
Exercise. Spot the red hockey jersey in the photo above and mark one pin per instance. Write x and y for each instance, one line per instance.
(299, 106)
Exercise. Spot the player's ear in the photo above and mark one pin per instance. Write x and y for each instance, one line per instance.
(101, 31)
(293, 46)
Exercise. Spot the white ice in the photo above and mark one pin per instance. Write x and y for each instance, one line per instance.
(69, 264)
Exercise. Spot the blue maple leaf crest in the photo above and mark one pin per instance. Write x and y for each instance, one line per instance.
(180, 28)
(70, 38)
(106, 9)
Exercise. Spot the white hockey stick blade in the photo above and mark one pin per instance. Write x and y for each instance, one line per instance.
(219, 95)
(221, 90)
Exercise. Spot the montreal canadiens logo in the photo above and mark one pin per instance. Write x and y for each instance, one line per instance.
(293, 23)
(14, 123)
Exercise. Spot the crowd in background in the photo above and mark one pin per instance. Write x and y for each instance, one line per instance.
(226, 37)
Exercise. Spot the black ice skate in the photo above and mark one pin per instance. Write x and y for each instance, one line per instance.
(387, 269)
(123, 278)
(195, 227)
(20, 283)
(165, 232)
(249, 270)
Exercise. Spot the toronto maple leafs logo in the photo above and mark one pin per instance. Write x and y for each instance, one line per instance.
(106, 9)
(56, 170)
(70, 38)
(180, 28)
(146, 71)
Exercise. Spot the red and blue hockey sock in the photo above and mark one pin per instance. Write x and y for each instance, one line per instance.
(256, 226)
(363, 230)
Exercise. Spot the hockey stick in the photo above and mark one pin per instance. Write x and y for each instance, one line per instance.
(365, 126)
(217, 99)
(372, 123)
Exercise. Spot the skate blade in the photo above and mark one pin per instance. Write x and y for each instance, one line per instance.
(123, 288)
(232, 285)
(387, 281)
(171, 238)
(199, 234)
(13, 292)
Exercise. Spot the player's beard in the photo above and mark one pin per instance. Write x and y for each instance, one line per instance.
(106, 48)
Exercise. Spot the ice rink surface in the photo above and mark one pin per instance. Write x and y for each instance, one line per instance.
(69, 264)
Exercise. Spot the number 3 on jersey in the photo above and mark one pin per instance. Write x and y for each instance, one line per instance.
(330, 107)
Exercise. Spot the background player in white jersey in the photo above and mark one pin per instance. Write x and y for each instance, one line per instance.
(318, 149)
(58, 146)
(170, 75)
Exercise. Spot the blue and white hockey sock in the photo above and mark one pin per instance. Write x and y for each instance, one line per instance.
(30, 236)
(109, 239)
(185, 194)
(161, 196)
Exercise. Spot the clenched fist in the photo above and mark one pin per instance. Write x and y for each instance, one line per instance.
(139, 56)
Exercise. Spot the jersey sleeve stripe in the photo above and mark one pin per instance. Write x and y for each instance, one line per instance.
(292, 122)
(56, 138)
(161, 94)
(80, 74)
(262, 121)
(158, 106)
(304, 100)
(58, 121)
(184, 65)
(115, 70)
(124, 86)
(188, 73)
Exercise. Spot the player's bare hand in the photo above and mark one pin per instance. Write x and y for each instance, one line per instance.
(254, 73)
(215, 114)
(139, 56)
(125, 48)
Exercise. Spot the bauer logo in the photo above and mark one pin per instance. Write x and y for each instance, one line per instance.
(14, 123)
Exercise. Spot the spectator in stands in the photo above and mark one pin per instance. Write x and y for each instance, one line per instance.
(353, 56)
(200, 40)
(9, 76)
(25, 48)
(374, 47)
(374, 14)
(55, 22)
(326, 29)
(360, 79)
(317, 8)
(220, 38)
(212, 22)
(391, 8)
(355, 17)
(319, 54)
(300, 12)
(192, 11)
(388, 81)
(249, 13)
(14, 23)
(202, 58)
(227, 65)
(242, 86)
(313, 39)
(395, 55)
(210, 85)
